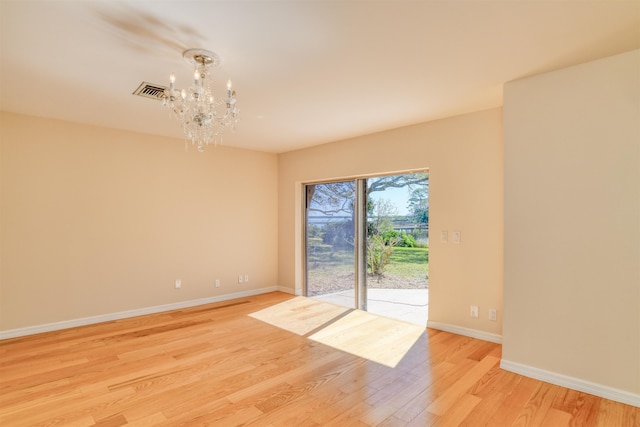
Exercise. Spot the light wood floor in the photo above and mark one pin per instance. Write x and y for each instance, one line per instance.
(276, 360)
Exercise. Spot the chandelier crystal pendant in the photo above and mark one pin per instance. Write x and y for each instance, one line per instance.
(204, 116)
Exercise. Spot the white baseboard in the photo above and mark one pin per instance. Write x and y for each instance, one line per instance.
(467, 332)
(287, 290)
(572, 383)
(65, 324)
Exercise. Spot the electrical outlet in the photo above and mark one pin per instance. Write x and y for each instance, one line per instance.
(493, 314)
(240, 279)
(217, 283)
(178, 283)
(474, 311)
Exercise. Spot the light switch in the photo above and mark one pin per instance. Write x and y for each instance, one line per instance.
(456, 237)
(474, 311)
(444, 236)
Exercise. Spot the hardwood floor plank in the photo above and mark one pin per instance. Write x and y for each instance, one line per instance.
(455, 414)
(388, 401)
(230, 416)
(72, 407)
(583, 407)
(144, 421)
(284, 377)
(418, 404)
(537, 407)
(351, 417)
(616, 414)
(556, 418)
(297, 411)
(424, 419)
(392, 421)
(485, 349)
(514, 403)
(496, 380)
(276, 360)
(455, 392)
(334, 405)
(481, 414)
(113, 421)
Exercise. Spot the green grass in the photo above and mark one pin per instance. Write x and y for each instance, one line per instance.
(408, 262)
(330, 258)
(334, 270)
(405, 262)
(410, 255)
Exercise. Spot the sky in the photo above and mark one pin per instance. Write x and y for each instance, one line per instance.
(398, 196)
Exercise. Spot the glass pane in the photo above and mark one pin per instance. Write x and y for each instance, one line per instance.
(330, 244)
(398, 246)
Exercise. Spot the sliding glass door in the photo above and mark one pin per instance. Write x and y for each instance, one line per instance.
(367, 244)
(398, 246)
(330, 241)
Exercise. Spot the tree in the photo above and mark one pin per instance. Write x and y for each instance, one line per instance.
(336, 200)
(418, 204)
(337, 197)
(331, 198)
(333, 202)
(381, 215)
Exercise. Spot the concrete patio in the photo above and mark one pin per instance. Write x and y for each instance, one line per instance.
(409, 305)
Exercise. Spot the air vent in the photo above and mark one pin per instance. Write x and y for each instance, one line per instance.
(150, 90)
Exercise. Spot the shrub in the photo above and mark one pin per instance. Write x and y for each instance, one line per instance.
(404, 240)
(379, 251)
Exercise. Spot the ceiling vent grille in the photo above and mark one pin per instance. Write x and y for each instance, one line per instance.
(150, 90)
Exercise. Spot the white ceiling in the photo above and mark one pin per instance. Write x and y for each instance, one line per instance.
(306, 72)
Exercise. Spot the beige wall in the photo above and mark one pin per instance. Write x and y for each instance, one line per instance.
(572, 222)
(96, 221)
(464, 157)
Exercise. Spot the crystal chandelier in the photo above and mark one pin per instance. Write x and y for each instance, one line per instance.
(204, 116)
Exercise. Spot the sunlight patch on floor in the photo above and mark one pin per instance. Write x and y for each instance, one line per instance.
(300, 315)
(363, 334)
(376, 338)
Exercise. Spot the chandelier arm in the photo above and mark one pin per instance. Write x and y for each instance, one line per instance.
(204, 117)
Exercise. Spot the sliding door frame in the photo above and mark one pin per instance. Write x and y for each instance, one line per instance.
(360, 230)
(359, 237)
(360, 243)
